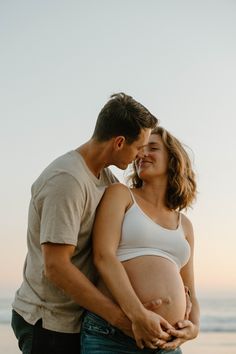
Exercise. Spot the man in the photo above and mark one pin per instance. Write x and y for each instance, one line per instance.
(58, 271)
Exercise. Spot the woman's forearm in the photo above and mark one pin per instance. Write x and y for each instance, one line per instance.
(117, 281)
(194, 316)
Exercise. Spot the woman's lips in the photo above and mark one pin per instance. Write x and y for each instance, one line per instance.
(143, 163)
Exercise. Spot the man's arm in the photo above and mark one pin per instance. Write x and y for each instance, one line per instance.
(63, 274)
(60, 205)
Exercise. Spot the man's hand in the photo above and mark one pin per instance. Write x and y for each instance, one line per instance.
(186, 331)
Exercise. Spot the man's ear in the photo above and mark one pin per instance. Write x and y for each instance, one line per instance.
(118, 143)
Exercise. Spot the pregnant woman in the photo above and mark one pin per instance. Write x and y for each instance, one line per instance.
(143, 249)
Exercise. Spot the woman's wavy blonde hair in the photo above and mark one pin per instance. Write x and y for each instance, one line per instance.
(181, 187)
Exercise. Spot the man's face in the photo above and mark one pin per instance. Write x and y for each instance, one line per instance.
(129, 152)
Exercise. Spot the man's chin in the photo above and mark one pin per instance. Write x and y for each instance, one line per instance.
(122, 166)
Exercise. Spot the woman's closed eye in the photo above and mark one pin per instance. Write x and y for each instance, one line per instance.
(154, 148)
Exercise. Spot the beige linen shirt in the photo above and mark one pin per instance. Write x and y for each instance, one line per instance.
(62, 209)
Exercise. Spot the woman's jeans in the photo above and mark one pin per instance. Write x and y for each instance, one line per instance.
(99, 337)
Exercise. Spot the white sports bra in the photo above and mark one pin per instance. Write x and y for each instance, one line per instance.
(141, 236)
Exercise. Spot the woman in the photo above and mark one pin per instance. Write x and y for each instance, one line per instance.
(143, 249)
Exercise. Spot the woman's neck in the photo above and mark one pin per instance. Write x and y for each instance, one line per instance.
(154, 193)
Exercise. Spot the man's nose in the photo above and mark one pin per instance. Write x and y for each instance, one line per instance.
(142, 153)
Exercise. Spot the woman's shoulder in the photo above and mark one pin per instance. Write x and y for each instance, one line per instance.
(117, 188)
(187, 225)
(185, 220)
(118, 192)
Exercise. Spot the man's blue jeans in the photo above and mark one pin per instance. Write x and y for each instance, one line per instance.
(99, 337)
(33, 339)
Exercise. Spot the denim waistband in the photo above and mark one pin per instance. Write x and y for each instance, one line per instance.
(91, 320)
(95, 325)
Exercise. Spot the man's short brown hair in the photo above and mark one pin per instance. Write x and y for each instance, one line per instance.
(123, 116)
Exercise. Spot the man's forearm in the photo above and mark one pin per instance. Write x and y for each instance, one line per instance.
(76, 285)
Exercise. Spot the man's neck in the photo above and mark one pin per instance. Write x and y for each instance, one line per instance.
(95, 155)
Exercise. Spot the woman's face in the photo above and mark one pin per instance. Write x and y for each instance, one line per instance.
(152, 160)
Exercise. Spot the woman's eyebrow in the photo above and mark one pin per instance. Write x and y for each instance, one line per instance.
(153, 143)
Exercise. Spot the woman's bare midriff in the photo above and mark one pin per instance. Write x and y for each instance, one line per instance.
(154, 277)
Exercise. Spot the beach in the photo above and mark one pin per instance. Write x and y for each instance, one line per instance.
(206, 343)
(8, 342)
(217, 335)
(211, 343)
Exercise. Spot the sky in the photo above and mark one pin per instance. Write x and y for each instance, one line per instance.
(61, 60)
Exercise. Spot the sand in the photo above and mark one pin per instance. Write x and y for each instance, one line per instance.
(211, 343)
(206, 343)
(8, 342)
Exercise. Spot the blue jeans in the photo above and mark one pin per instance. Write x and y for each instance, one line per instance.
(99, 337)
(34, 339)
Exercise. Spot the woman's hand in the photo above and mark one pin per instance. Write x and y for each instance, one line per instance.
(188, 303)
(186, 331)
(150, 329)
(122, 322)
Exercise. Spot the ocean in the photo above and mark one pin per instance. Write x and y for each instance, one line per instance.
(217, 314)
(217, 335)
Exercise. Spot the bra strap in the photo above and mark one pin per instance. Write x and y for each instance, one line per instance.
(179, 220)
(132, 196)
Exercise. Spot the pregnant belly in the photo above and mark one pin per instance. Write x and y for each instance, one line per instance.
(154, 277)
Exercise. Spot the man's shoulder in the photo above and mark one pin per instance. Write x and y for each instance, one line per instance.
(68, 164)
(71, 169)
(65, 169)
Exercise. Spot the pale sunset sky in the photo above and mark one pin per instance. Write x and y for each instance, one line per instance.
(60, 62)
